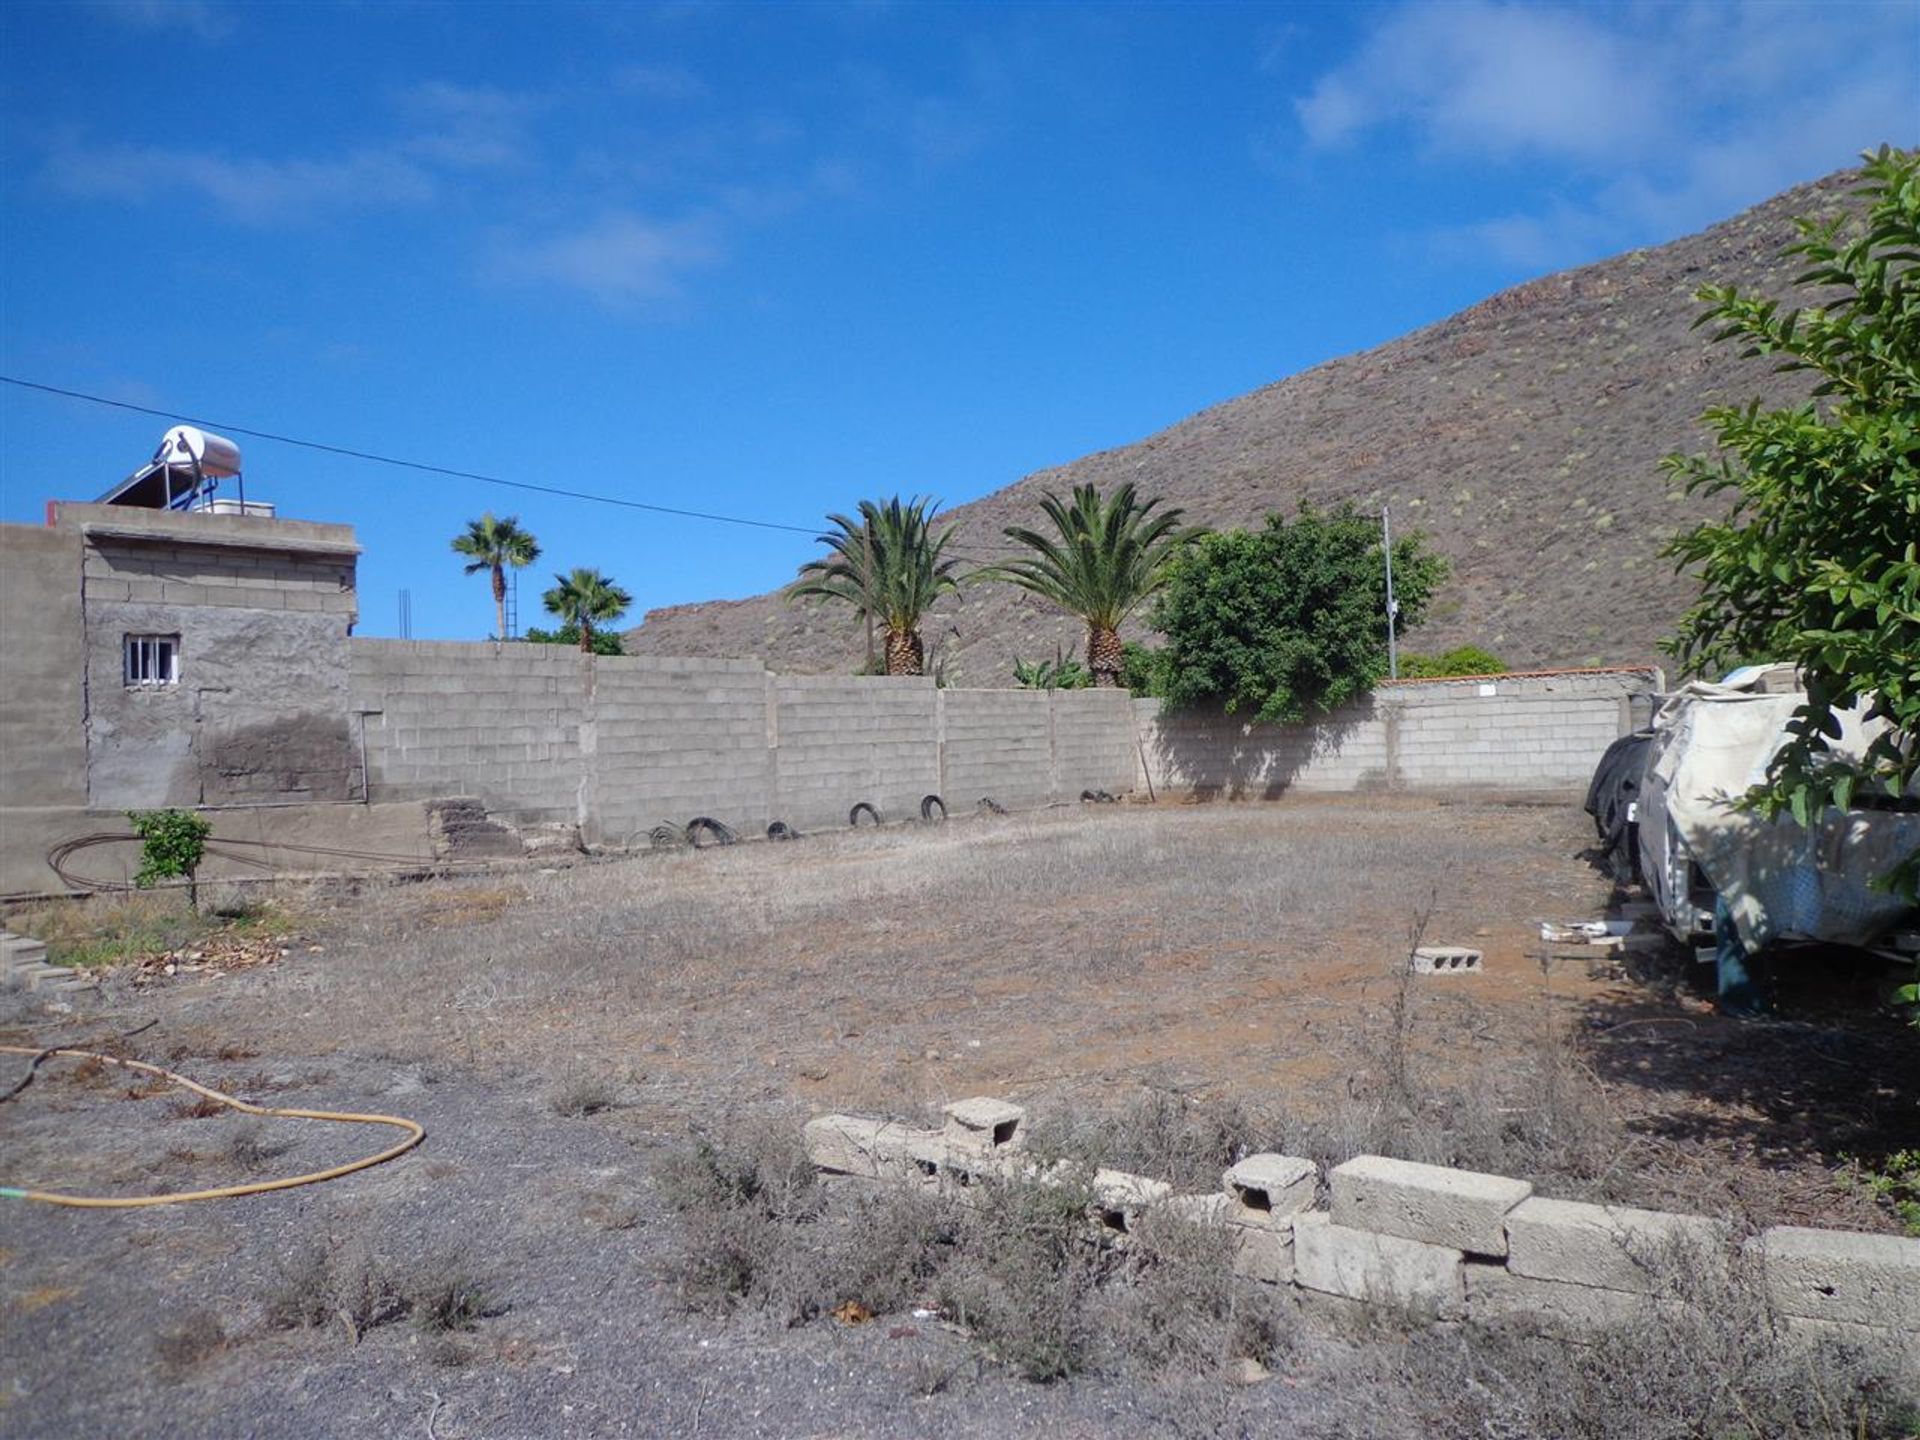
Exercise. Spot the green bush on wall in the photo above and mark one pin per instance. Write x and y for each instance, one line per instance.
(1462, 660)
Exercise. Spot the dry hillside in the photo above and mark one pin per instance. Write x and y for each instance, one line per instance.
(1522, 435)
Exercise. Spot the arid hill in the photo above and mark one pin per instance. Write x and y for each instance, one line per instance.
(1522, 435)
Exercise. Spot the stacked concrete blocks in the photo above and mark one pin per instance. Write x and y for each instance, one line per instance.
(1263, 1194)
(984, 1125)
(1121, 1198)
(1458, 1209)
(23, 963)
(1610, 1247)
(1435, 1243)
(1422, 1280)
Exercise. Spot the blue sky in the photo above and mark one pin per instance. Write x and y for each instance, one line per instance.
(769, 259)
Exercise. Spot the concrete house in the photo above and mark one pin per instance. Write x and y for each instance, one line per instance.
(163, 648)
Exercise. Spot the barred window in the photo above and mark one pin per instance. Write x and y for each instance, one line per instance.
(153, 660)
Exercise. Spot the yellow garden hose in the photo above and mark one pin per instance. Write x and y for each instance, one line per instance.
(415, 1134)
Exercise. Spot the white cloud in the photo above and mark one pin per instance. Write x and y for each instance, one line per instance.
(1660, 119)
(619, 258)
(1499, 79)
(667, 84)
(468, 127)
(249, 191)
(203, 18)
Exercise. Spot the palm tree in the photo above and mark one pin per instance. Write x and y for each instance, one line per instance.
(891, 567)
(1105, 559)
(491, 544)
(586, 597)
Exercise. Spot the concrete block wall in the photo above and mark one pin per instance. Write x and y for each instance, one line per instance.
(499, 722)
(177, 571)
(998, 748)
(43, 761)
(670, 739)
(1533, 733)
(838, 741)
(1212, 754)
(1093, 742)
(1445, 1244)
(621, 744)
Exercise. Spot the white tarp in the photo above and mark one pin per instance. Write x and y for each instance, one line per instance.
(1711, 745)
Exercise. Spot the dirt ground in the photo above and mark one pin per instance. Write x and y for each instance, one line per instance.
(1243, 954)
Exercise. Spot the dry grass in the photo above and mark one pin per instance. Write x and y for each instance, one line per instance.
(326, 1282)
(1243, 956)
(1709, 1363)
(113, 929)
(582, 1091)
(189, 1343)
(1029, 1278)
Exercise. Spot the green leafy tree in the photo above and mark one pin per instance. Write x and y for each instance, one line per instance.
(493, 545)
(605, 642)
(1103, 560)
(585, 599)
(1288, 621)
(1146, 672)
(172, 845)
(1461, 660)
(891, 566)
(1815, 561)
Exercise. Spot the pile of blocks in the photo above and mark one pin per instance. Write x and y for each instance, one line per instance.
(1437, 1243)
(23, 962)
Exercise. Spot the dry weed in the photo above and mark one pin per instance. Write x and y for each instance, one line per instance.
(189, 1343)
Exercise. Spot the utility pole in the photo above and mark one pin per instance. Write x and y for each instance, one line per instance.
(1393, 606)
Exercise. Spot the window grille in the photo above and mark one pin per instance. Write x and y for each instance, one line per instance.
(153, 660)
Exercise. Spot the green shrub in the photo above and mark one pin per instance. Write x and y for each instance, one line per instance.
(1146, 669)
(1055, 674)
(172, 844)
(1461, 660)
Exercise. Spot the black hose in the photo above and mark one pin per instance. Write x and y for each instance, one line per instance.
(1095, 797)
(666, 837)
(991, 805)
(780, 830)
(928, 803)
(721, 834)
(853, 815)
(234, 850)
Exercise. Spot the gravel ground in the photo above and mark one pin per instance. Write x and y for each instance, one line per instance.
(558, 1215)
(1232, 952)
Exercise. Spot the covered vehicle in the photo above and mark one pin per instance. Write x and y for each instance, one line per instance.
(1613, 801)
(1711, 744)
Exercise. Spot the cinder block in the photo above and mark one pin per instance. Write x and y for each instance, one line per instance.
(1200, 1209)
(1842, 1276)
(1264, 1253)
(1495, 1294)
(1119, 1197)
(850, 1145)
(1461, 1209)
(1445, 960)
(984, 1124)
(1267, 1190)
(1896, 1348)
(1422, 1279)
(1613, 1247)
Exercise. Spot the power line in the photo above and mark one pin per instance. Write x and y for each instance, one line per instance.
(226, 427)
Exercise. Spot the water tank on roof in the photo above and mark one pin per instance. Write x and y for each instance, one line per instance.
(186, 448)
